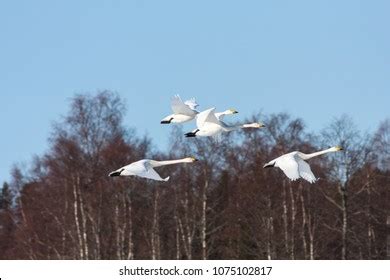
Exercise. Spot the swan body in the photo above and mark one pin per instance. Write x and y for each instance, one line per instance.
(294, 164)
(145, 168)
(186, 111)
(208, 124)
(177, 118)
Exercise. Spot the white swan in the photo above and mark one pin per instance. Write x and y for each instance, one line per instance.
(294, 164)
(186, 111)
(144, 168)
(209, 125)
(182, 111)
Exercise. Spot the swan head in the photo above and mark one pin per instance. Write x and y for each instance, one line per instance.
(336, 149)
(258, 125)
(232, 111)
(190, 159)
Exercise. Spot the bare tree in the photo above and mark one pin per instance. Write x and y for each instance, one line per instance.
(226, 206)
(342, 131)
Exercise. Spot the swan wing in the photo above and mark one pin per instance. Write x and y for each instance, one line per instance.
(289, 166)
(305, 170)
(220, 115)
(206, 116)
(179, 107)
(150, 173)
(191, 103)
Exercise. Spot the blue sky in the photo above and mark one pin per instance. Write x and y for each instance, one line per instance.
(313, 59)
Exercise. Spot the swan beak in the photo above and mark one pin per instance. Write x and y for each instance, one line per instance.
(268, 165)
(339, 148)
(261, 125)
(194, 159)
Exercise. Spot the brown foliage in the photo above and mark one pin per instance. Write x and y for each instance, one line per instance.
(223, 207)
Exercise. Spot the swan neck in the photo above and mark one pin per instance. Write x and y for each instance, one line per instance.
(231, 127)
(167, 162)
(309, 156)
(239, 126)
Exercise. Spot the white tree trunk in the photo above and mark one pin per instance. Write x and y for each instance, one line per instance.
(293, 215)
(77, 222)
(204, 221)
(285, 219)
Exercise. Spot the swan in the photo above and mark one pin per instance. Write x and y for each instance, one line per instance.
(182, 111)
(145, 168)
(294, 164)
(209, 125)
(186, 111)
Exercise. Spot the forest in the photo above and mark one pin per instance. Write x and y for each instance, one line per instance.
(64, 206)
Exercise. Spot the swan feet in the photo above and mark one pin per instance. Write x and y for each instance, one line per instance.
(116, 173)
(192, 133)
(167, 121)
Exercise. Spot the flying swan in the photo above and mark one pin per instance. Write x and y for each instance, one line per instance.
(294, 164)
(145, 168)
(186, 111)
(209, 125)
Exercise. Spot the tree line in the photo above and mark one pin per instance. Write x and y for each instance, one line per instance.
(226, 206)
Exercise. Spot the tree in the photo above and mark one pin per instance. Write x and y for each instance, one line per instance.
(381, 144)
(226, 206)
(342, 166)
(5, 197)
(6, 222)
(70, 206)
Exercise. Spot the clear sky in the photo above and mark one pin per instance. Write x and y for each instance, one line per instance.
(313, 59)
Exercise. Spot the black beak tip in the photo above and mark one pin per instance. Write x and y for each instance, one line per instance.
(165, 122)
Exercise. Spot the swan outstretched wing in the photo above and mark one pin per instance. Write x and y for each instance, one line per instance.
(150, 173)
(290, 167)
(206, 116)
(191, 103)
(179, 107)
(305, 170)
(220, 115)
